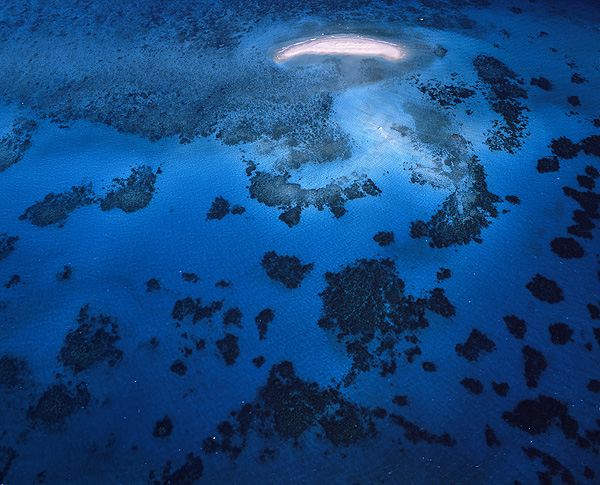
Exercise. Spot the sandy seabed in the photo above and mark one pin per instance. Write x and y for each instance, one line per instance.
(342, 45)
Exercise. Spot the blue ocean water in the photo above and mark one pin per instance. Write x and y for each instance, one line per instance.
(218, 268)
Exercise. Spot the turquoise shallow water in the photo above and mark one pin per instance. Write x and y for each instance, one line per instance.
(152, 156)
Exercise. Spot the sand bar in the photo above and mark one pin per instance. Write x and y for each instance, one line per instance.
(352, 45)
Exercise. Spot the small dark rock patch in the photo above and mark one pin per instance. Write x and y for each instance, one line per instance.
(535, 364)
(384, 238)
(443, 274)
(400, 401)
(163, 427)
(545, 289)
(536, 416)
(560, 333)
(501, 388)
(218, 209)
(55, 208)
(58, 403)
(194, 308)
(152, 285)
(564, 148)
(65, 273)
(229, 348)
(92, 342)
(190, 277)
(285, 269)
(472, 385)
(546, 165)
(7, 245)
(553, 468)
(512, 199)
(262, 320)
(233, 316)
(577, 78)
(14, 280)
(415, 433)
(566, 247)
(259, 361)
(132, 193)
(188, 474)
(541, 82)
(490, 437)
(593, 385)
(178, 367)
(476, 343)
(574, 101)
(429, 367)
(16, 142)
(13, 371)
(515, 326)
(591, 145)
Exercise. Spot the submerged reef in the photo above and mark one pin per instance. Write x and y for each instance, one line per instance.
(13, 371)
(7, 245)
(93, 341)
(288, 407)
(56, 404)
(277, 191)
(132, 193)
(365, 305)
(285, 269)
(55, 208)
(463, 214)
(505, 93)
(15, 143)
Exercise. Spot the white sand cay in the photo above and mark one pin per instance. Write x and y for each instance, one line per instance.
(352, 45)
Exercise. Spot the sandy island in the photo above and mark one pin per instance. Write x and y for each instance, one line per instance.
(352, 45)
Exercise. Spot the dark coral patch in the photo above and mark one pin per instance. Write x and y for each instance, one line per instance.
(178, 367)
(548, 164)
(535, 416)
(474, 386)
(218, 209)
(553, 468)
(384, 238)
(13, 371)
(477, 343)
(259, 361)
(7, 245)
(545, 289)
(566, 247)
(429, 367)
(229, 348)
(591, 145)
(133, 193)
(194, 308)
(187, 474)
(560, 333)
(516, 326)
(152, 285)
(512, 199)
(574, 101)
(365, 304)
(55, 208)
(56, 404)
(593, 385)
(65, 274)
(459, 221)
(233, 316)
(262, 320)
(443, 274)
(163, 428)
(15, 143)
(415, 433)
(501, 388)
(288, 407)
(586, 182)
(92, 342)
(535, 364)
(285, 269)
(542, 83)
(564, 148)
(490, 437)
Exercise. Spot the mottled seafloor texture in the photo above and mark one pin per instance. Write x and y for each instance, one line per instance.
(219, 269)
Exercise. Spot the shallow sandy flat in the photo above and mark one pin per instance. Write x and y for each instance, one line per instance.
(342, 45)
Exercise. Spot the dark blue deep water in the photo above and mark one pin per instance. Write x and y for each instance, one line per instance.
(217, 268)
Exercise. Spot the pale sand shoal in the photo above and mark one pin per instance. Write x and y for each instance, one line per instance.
(342, 45)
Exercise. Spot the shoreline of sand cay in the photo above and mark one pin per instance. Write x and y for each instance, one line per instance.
(353, 45)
